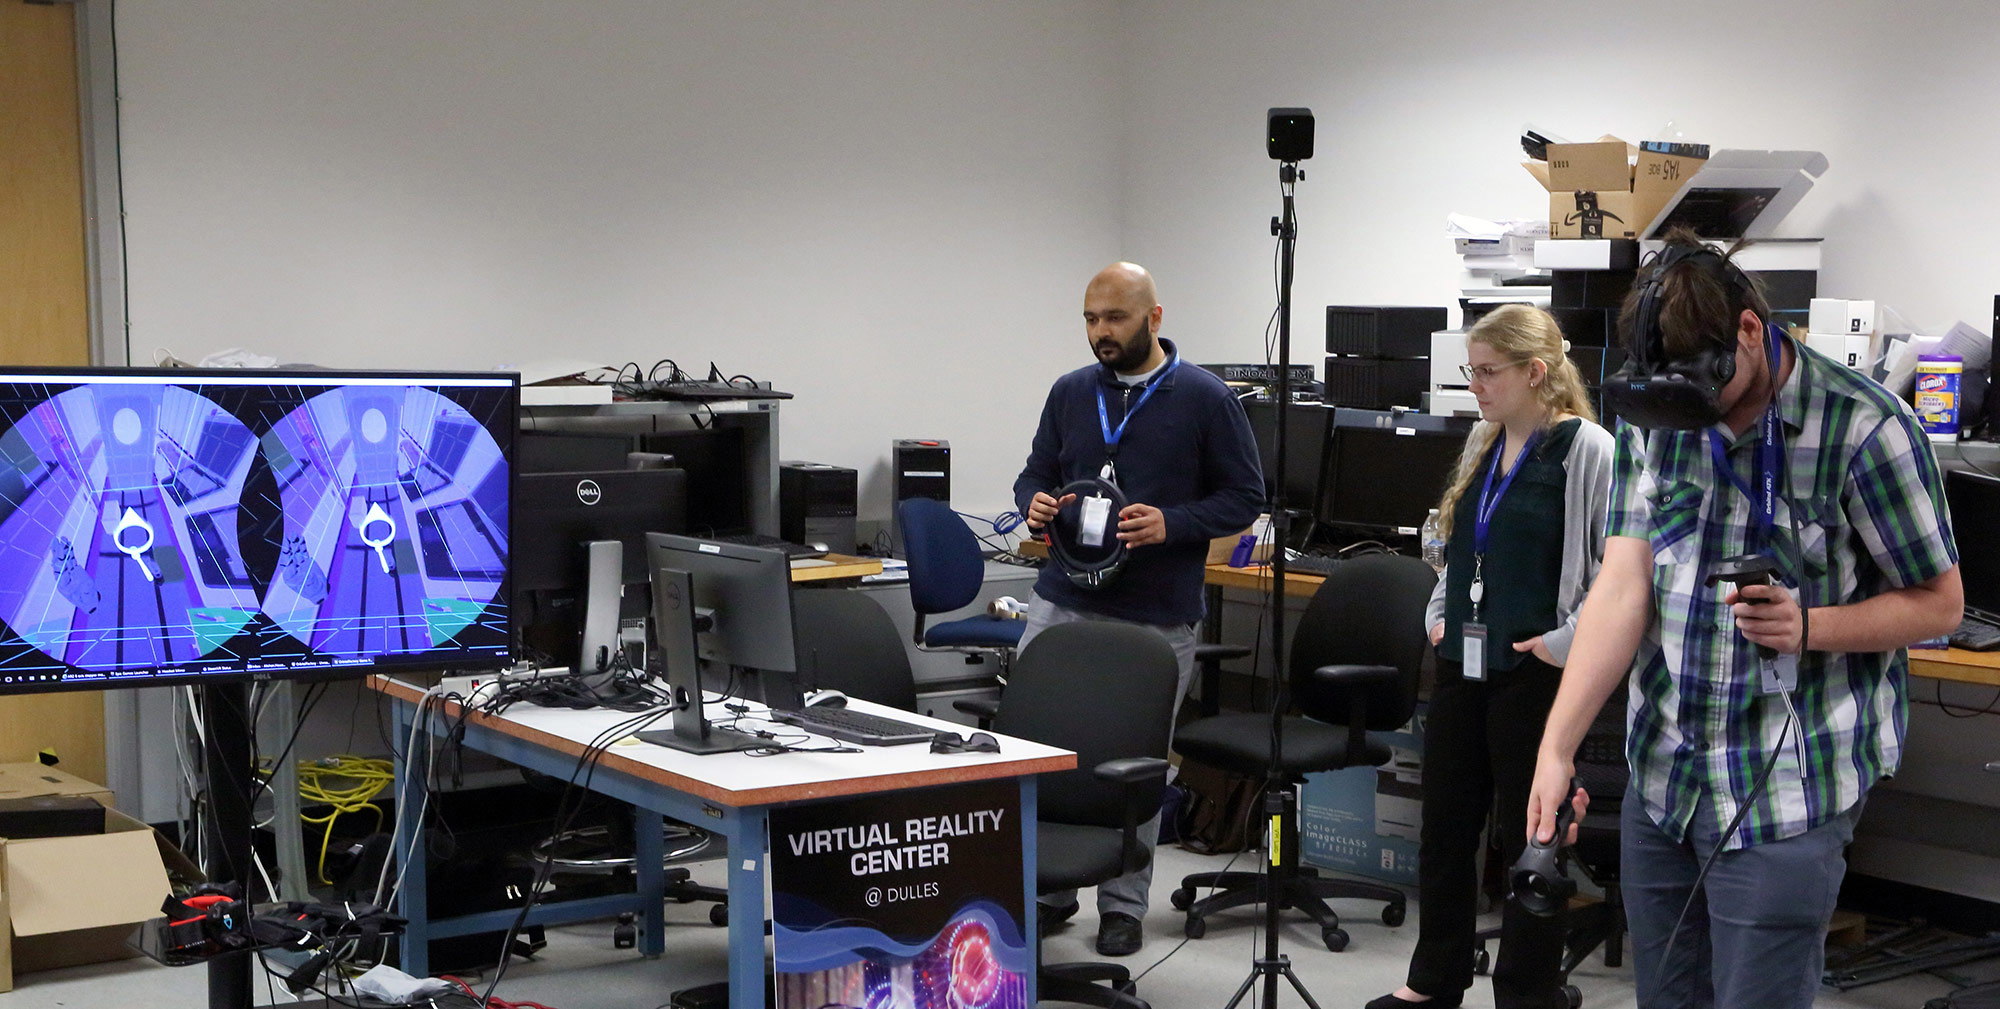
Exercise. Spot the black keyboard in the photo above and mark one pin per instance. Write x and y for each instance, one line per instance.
(1976, 636)
(791, 550)
(855, 726)
(1312, 564)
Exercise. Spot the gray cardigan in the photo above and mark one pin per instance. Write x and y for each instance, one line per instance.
(1586, 498)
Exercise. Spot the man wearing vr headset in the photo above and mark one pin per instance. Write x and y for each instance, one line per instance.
(1756, 452)
(1174, 443)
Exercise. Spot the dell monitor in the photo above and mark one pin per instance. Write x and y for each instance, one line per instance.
(1306, 426)
(1974, 500)
(589, 543)
(165, 526)
(1386, 470)
(723, 603)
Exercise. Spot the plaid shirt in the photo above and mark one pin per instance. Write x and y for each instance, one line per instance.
(1864, 495)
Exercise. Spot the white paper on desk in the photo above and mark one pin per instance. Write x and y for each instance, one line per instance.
(1899, 361)
(1975, 347)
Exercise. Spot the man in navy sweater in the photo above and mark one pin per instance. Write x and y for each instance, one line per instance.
(1185, 459)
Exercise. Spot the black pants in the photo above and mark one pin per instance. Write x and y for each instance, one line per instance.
(1480, 741)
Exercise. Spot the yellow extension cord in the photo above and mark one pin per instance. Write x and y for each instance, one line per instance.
(349, 784)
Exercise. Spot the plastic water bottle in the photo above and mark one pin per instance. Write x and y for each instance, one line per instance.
(1433, 541)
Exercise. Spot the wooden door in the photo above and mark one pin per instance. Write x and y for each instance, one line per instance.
(44, 314)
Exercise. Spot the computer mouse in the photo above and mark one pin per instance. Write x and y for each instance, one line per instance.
(826, 699)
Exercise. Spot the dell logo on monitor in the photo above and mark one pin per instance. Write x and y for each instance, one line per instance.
(588, 492)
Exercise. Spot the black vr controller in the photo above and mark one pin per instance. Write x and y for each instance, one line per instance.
(1746, 569)
(1680, 394)
(1088, 567)
(1537, 880)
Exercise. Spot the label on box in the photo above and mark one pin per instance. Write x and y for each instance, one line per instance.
(1367, 820)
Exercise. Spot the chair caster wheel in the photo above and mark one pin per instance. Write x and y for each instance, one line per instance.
(718, 915)
(1573, 996)
(1195, 927)
(1335, 939)
(1183, 898)
(1482, 962)
(1392, 915)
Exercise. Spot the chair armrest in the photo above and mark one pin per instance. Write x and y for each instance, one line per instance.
(1134, 773)
(1356, 676)
(980, 708)
(1131, 770)
(1220, 653)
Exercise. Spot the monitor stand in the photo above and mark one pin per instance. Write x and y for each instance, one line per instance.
(675, 625)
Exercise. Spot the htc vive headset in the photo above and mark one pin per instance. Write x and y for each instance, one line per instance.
(1679, 394)
(1088, 566)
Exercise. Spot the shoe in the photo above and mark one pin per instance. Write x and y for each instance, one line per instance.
(1048, 916)
(1390, 1001)
(1119, 934)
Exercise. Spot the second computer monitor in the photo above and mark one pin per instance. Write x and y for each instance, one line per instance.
(1387, 469)
(744, 592)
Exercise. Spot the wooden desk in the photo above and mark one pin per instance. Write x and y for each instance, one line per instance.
(729, 794)
(842, 566)
(1257, 578)
(1956, 665)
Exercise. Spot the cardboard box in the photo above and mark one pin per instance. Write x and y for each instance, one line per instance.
(1366, 820)
(26, 781)
(1608, 188)
(1221, 547)
(74, 900)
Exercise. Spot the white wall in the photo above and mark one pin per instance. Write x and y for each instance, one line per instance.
(888, 208)
(1420, 104)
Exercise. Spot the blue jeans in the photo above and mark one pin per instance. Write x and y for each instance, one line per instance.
(1755, 936)
(1132, 892)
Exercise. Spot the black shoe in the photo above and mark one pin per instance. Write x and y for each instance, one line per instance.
(1049, 916)
(1390, 1001)
(1119, 934)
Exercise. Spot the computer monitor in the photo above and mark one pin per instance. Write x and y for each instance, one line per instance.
(164, 526)
(724, 603)
(1974, 500)
(718, 476)
(1306, 427)
(1386, 469)
(569, 592)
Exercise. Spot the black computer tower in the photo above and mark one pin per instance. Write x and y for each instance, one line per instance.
(922, 467)
(816, 504)
(1382, 331)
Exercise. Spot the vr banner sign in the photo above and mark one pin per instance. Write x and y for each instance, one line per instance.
(904, 900)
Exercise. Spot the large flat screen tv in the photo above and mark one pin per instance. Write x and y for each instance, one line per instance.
(163, 526)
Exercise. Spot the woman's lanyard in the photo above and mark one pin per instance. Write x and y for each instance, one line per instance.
(1113, 436)
(1489, 502)
(1764, 497)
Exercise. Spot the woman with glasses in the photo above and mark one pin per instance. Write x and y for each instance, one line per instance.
(1523, 522)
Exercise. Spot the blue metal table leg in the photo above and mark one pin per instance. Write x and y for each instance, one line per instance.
(1030, 921)
(652, 881)
(746, 910)
(412, 898)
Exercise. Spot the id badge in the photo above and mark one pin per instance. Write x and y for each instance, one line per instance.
(1475, 651)
(1096, 513)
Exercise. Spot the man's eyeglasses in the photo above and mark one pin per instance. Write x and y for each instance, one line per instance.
(952, 742)
(1485, 372)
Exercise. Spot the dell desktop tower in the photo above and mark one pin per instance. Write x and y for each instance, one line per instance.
(922, 468)
(816, 504)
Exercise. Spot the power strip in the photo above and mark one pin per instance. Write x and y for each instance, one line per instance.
(477, 688)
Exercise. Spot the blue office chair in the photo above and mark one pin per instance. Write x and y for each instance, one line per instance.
(946, 572)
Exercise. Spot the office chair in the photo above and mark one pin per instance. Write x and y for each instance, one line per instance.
(847, 642)
(1601, 766)
(1354, 668)
(1088, 819)
(946, 571)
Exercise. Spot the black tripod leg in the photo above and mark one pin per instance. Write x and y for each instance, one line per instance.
(1244, 988)
(1299, 986)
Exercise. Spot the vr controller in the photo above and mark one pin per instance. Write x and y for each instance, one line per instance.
(1538, 880)
(1746, 569)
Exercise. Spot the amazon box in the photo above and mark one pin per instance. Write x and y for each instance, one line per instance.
(1611, 189)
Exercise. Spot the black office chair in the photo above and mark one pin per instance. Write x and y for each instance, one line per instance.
(1354, 668)
(847, 642)
(1601, 766)
(1106, 691)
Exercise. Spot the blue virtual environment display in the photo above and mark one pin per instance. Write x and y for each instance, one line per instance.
(165, 526)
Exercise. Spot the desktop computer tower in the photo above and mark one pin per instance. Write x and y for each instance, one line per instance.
(816, 504)
(1382, 331)
(922, 468)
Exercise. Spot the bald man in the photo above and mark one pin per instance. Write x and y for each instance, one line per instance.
(1184, 458)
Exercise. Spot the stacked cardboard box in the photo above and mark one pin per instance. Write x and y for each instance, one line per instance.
(1612, 189)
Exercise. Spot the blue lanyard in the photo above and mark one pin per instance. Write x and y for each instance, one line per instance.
(1489, 497)
(1112, 437)
(1765, 495)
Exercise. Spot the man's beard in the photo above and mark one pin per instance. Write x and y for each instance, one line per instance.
(1132, 355)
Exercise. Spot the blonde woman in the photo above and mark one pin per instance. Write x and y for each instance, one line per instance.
(1523, 522)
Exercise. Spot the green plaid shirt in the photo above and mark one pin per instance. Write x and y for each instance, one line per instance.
(1863, 492)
